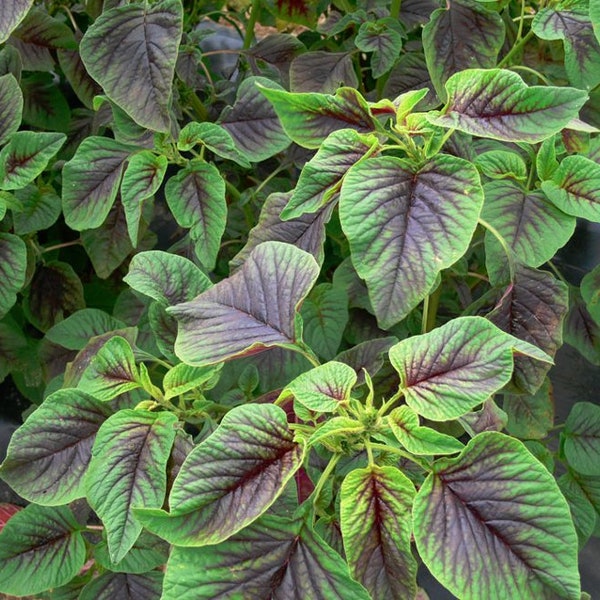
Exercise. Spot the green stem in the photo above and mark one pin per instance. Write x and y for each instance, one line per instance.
(558, 274)
(395, 8)
(446, 137)
(430, 308)
(249, 34)
(324, 477)
(232, 190)
(515, 49)
(520, 29)
(415, 459)
(76, 242)
(389, 403)
(532, 71)
(503, 243)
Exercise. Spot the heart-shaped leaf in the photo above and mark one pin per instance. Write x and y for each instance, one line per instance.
(13, 265)
(582, 438)
(11, 106)
(49, 454)
(140, 77)
(125, 586)
(447, 372)
(322, 72)
(128, 469)
(498, 498)
(530, 417)
(182, 378)
(497, 104)
(11, 15)
(384, 40)
(40, 548)
(253, 309)
(406, 224)
(376, 524)
(230, 479)
(77, 76)
(272, 559)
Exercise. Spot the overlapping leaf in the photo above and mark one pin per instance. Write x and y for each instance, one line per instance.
(12, 14)
(128, 469)
(49, 454)
(582, 438)
(501, 164)
(13, 264)
(125, 586)
(230, 479)
(590, 292)
(139, 77)
(581, 331)
(384, 39)
(497, 104)
(530, 417)
(253, 309)
(406, 224)
(322, 72)
(11, 106)
(498, 498)
(582, 510)
(38, 208)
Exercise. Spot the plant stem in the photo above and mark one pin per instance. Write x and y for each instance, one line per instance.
(395, 8)
(515, 49)
(415, 459)
(532, 71)
(558, 274)
(386, 405)
(446, 137)
(503, 243)
(430, 308)
(249, 34)
(303, 349)
(333, 461)
(76, 242)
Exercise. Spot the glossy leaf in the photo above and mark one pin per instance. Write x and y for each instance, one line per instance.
(497, 104)
(376, 524)
(253, 123)
(91, 180)
(40, 548)
(406, 224)
(272, 560)
(11, 106)
(166, 278)
(447, 372)
(417, 439)
(530, 416)
(13, 264)
(141, 181)
(183, 378)
(322, 176)
(140, 78)
(322, 72)
(127, 469)
(196, 197)
(253, 309)
(498, 498)
(308, 118)
(11, 15)
(582, 438)
(575, 187)
(50, 453)
(230, 479)
(125, 586)
(481, 35)
(39, 208)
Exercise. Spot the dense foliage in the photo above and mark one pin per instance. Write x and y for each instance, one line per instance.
(277, 279)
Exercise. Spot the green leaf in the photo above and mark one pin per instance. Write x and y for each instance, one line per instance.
(26, 156)
(13, 266)
(91, 180)
(44, 106)
(125, 586)
(112, 371)
(196, 197)
(141, 180)
(76, 330)
(410, 74)
(447, 372)
(569, 22)
(582, 438)
(146, 554)
(39, 208)
(530, 416)
(308, 118)
(272, 559)
(545, 160)
(230, 479)
(322, 176)
(338, 434)
(498, 498)
(383, 39)
(147, 37)
(127, 470)
(580, 330)
(419, 440)
(590, 292)
(481, 35)
(582, 510)
(367, 356)
(253, 123)
(11, 105)
(214, 137)
(39, 32)
(40, 548)
(501, 164)
(77, 76)
(49, 454)
(323, 388)
(323, 72)
(253, 309)
(182, 378)
(11, 15)
(497, 104)
(376, 525)
(575, 187)
(165, 277)
(405, 224)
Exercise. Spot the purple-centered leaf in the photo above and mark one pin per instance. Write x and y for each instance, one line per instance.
(49, 454)
(406, 224)
(39, 208)
(497, 104)
(582, 438)
(11, 105)
(253, 309)
(11, 14)
(40, 548)
(131, 52)
(277, 49)
(306, 231)
(569, 22)
(481, 35)
(530, 417)
(91, 180)
(308, 118)
(376, 524)
(273, 558)
(582, 510)
(77, 76)
(498, 499)
(322, 176)
(502, 164)
(322, 72)
(230, 479)
(384, 39)
(253, 123)
(416, 12)
(410, 74)
(13, 266)
(575, 187)
(125, 586)
(581, 331)
(367, 355)
(532, 308)
(196, 197)
(128, 469)
(447, 372)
